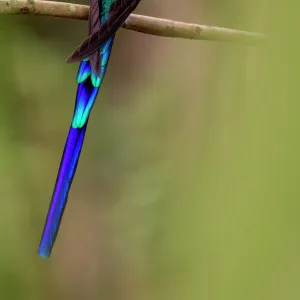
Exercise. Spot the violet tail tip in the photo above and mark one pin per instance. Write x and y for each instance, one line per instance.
(43, 254)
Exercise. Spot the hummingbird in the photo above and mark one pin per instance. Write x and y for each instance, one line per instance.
(105, 18)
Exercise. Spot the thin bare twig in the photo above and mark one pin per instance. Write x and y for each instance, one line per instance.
(144, 24)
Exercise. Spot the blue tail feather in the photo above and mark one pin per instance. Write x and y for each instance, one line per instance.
(62, 186)
(88, 87)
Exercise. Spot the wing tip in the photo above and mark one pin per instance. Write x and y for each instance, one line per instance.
(75, 56)
(71, 59)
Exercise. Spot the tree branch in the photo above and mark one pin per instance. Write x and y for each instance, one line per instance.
(144, 24)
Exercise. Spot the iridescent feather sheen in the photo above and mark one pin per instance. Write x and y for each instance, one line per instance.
(118, 12)
(89, 79)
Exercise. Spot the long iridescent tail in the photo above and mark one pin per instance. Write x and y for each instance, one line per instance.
(63, 183)
(88, 87)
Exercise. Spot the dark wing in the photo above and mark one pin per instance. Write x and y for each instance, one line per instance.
(119, 12)
(94, 24)
(94, 18)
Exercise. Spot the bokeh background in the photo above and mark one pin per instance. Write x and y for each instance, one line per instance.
(188, 183)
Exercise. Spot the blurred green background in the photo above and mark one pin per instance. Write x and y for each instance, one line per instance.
(188, 184)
